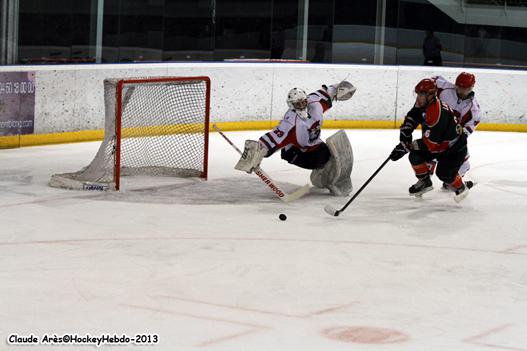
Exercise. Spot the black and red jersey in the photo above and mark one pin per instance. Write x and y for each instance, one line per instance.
(441, 130)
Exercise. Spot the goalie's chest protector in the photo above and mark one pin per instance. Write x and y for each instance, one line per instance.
(307, 131)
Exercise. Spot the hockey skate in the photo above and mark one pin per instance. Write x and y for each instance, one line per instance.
(422, 186)
(447, 187)
(462, 191)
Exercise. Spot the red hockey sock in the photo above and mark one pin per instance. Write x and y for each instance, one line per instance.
(421, 170)
(458, 181)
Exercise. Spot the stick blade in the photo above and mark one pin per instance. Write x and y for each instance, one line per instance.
(297, 194)
(330, 210)
(460, 197)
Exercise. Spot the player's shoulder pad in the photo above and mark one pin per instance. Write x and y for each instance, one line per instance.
(433, 113)
(315, 105)
(442, 83)
(416, 113)
(475, 105)
(289, 117)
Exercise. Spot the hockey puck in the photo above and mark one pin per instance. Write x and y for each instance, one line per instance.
(282, 217)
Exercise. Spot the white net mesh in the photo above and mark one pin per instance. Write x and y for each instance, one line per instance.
(164, 130)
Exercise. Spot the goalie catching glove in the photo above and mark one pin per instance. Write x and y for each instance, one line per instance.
(252, 156)
(345, 91)
(340, 91)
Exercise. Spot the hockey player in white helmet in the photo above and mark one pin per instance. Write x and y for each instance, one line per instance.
(298, 138)
(462, 100)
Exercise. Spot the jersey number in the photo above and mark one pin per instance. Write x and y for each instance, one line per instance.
(278, 133)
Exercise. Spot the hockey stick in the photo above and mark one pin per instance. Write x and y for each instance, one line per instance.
(264, 177)
(334, 212)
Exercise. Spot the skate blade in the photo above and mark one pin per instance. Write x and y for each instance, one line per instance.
(420, 193)
(469, 184)
(460, 197)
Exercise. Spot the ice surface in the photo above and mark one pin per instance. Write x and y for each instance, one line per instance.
(209, 266)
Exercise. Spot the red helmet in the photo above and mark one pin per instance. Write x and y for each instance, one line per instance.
(465, 80)
(427, 86)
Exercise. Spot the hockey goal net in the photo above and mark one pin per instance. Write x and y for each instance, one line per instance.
(153, 127)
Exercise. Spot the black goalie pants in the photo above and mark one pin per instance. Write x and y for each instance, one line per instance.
(313, 159)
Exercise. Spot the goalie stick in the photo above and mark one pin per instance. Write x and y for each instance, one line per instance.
(264, 177)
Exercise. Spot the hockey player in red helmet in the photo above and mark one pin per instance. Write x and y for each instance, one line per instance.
(464, 84)
(461, 98)
(442, 139)
(426, 91)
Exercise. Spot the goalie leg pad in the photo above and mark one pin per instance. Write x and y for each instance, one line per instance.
(323, 177)
(252, 156)
(335, 175)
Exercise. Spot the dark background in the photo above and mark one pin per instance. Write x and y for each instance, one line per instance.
(339, 31)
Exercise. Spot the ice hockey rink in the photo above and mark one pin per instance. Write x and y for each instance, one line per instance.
(207, 265)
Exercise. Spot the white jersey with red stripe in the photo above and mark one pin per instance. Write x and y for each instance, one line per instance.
(295, 131)
(467, 111)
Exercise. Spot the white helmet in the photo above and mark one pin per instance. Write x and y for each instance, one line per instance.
(297, 100)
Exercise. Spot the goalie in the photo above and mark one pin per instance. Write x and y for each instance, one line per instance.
(298, 138)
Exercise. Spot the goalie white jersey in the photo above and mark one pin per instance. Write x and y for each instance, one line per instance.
(298, 137)
(294, 130)
(466, 110)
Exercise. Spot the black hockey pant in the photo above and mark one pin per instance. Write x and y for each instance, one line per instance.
(313, 159)
(448, 163)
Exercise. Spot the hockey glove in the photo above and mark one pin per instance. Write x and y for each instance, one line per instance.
(398, 152)
(405, 134)
(251, 157)
(340, 91)
(345, 91)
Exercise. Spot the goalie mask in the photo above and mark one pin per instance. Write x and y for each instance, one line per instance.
(297, 100)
